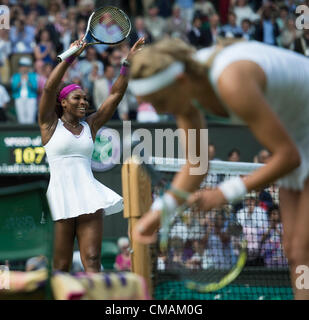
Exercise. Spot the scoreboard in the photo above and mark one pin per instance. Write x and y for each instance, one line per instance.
(22, 153)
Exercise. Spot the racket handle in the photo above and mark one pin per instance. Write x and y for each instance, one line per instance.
(68, 53)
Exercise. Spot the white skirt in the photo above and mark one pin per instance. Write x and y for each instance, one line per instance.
(74, 191)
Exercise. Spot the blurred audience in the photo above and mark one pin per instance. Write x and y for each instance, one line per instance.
(24, 92)
(4, 99)
(42, 29)
(123, 260)
(234, 155)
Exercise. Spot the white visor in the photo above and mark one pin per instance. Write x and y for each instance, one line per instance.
(144, 86)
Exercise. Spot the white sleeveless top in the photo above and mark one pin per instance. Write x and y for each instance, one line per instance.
(287, 75)
(72, 189)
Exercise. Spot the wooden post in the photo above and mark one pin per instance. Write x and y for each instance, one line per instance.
(136, 190)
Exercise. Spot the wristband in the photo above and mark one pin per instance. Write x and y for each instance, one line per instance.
(184, 195)
(124, 71)
(233, 189)
(167, 202)
(70, 59)
(125, 63)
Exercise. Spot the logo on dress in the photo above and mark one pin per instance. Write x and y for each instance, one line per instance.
(107, 150)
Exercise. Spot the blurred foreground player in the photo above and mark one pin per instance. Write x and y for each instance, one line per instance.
(262, 86)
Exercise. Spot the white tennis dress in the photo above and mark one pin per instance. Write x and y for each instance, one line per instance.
(72, 189)
(287, 75)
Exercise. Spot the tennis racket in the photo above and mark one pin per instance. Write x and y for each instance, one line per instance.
(220, 268)
(107, 25)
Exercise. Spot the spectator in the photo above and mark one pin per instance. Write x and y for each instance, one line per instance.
(179, 230)
(252, 215)
(115, 59)
(205, 7)
(154, 23)
(101, 91)
(187, 9)
(31, 19)
(161, 261)
(22, 37)
(175, 258)
(85, 8)
(197, 36)
(43, 76)
(301, 44)
(267, 30)
(224, 6)
(194, 259)
(45, 50)
(243, 11)
(92, 77)
(219, 252)
(214, 28)
(4, 99)
(234, 155)
(34, 6)
(247, 31)
(66, 33)
(86, 67)
(73, 73)
(254, 221)
(24, 91)
(165, 8)
(140, 31)
(147, 113)
(123, 260)
(263, 156)
(103, 86)
(231, 29)
(283, 18)
(290, 34)
(291, 5)
(5, 51)
(54, 9)
(176, 26)
(271, 242)
(211, 151)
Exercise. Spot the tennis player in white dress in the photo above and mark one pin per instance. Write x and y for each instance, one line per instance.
(77, 200)
(262, 86)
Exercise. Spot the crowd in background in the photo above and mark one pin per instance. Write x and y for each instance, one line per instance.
(213, 240)
(41, 29)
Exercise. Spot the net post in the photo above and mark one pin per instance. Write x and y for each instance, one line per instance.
(136, 190)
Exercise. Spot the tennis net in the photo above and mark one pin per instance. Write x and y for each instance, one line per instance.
(204, 247)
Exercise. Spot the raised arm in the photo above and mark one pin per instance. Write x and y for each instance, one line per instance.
(47, 115)
(109, 106)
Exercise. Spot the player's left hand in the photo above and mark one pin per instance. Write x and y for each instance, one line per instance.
(136, 47)
(207, 199)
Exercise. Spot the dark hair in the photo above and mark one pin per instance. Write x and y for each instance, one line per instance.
(232, 151)
(273, 208)
(58, 108)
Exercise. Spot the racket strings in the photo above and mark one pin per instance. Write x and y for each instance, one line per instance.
(109, 25)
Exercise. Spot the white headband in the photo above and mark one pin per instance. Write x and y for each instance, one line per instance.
(144, 86)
